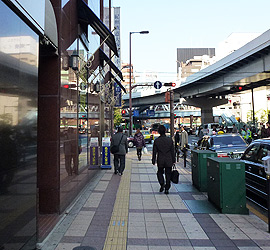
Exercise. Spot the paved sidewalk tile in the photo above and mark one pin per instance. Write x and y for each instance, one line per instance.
(128, 212)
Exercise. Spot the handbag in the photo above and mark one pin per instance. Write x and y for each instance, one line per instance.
(174, 175)
(145, 151)
(115, 148)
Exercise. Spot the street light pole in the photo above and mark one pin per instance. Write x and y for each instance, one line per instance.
(130, 87)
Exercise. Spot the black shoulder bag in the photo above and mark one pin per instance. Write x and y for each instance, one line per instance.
(174, 175)
(115, 148)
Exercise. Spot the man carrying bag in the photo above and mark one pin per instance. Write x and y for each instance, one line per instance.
(119, 147)
(163, 154)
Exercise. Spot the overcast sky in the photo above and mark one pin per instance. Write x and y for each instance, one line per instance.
(176, 24)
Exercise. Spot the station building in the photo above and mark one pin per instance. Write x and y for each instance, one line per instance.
(58, 87)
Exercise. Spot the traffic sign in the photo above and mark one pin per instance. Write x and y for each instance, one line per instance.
(157, 84)
(136, 112)
(150, 112)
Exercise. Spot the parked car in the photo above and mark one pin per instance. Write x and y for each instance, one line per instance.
(256, 180)
(148, 137)
(226, 145)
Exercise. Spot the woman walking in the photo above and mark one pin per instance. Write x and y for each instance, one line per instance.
(139, 142)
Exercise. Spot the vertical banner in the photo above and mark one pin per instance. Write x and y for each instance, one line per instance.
(117, 60)
(93, 153)
(117, 95)
(106, 155)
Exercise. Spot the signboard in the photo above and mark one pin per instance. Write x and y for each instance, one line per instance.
(157, 84)
(136, 113)
(117, 96)
(106, 155)
(150, 112)
(94, 152)
(117, 60)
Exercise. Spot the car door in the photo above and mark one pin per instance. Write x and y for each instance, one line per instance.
(250, 157)
(255, 174)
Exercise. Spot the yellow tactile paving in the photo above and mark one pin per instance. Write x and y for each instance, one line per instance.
(257, 213)
(117, 232)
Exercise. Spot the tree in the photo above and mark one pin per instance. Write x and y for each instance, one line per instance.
(260, 116)
(117, 116)
(250, 116)
(263, 116)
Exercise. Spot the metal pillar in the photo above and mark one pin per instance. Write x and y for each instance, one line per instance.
(171, 114)
(253, 110)
(130, 97)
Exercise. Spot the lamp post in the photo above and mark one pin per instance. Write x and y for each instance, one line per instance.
(130, 98)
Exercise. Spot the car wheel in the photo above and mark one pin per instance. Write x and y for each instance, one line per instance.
(130, 144)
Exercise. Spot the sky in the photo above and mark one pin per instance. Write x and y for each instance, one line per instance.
(176, 24)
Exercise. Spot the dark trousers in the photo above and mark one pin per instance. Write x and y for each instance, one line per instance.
(119, 158)
(160, 176)
(68, 159)
(139, 153)
(184, 150)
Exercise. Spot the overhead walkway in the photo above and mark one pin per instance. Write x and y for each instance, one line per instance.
(128, 212)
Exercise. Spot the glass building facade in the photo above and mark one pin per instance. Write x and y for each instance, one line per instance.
(52, 119)
(19, 50)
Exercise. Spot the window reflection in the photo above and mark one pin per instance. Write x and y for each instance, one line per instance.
(18, 130)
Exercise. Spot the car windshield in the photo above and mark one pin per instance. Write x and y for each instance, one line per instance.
(226, 141)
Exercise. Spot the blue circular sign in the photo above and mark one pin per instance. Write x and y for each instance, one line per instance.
(157, 84)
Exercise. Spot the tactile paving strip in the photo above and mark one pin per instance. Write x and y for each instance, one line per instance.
(117, 232)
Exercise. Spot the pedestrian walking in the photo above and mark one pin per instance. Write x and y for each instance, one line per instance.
(248, 135)
(177, 144)
(263, 132)
(200, 133)
(163, 154)
(139, 142)
(268, 129)
(234, 129)
(243, 133)
(184, 144)
(119, 139)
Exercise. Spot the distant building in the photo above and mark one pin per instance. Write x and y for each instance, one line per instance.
(184, 54)
(194, 65)
(192, 60)
(125, 72)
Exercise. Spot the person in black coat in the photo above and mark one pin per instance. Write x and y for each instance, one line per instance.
(163, 154)
(120, 139)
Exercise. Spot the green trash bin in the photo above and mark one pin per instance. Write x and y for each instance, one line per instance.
(199, 168)
(226, 185)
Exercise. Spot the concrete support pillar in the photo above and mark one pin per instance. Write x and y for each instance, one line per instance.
(207, 115)
(206, 104)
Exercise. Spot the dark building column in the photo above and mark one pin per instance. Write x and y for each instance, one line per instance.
(49, 124)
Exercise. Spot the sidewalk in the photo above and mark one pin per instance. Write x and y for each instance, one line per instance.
(128, 212)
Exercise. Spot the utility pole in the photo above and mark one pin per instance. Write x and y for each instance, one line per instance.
(171, 113)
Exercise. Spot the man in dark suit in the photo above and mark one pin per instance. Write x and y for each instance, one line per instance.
(120, 139)
(163, 151)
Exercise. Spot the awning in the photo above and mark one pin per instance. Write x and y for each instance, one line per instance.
(109, 76)
(99, 58)
(104, 57)
(87, 16)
